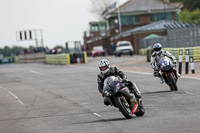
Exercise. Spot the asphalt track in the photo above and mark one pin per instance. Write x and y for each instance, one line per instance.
(41, 98)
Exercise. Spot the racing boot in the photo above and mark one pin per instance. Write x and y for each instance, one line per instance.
(161, 80)
(106, 101)
(178, 75)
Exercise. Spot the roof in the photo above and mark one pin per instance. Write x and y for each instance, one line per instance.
(159, 25)
(147, 5)
(97, 22)
(151, 36)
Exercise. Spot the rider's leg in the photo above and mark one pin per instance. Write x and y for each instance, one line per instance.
(157, 74)
(133, 87)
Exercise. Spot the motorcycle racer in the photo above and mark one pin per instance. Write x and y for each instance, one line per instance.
(158, 52)
(105, 71)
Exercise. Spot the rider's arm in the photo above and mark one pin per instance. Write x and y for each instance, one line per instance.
(166, 53)
(120, 73)
(100, 84)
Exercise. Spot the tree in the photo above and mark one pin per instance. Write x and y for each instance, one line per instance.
(191, 5)
(98, 6)
(16, 50)
(189, 16)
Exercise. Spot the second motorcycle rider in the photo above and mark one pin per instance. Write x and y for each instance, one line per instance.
(105, 71)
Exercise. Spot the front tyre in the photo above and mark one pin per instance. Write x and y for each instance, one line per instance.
(123, 108)
(172, 81)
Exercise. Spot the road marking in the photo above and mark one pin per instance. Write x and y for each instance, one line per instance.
(35, 72)
(138, 72)
(189, 93)
(16, 97)
(99, 116)
(2, 87)
(84, 103)
(152, 74)
(191, 78)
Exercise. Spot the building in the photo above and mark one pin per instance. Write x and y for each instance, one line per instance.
(133, 15)
(136, 13)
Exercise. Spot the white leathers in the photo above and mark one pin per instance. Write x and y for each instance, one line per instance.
(162, 53)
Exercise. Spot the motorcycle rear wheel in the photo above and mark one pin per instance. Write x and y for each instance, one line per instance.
(123, 109)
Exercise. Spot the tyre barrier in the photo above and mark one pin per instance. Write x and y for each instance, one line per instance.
(6, 60)
(65, 59)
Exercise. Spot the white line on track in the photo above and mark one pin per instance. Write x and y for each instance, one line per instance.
(16, 97)
(152, 74)
(191, 78)
(99, 116)
(35, 72)
(138, 72)
(2, 87)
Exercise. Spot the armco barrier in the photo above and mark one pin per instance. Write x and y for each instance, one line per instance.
(32, 58)
(193, 52)
(65, 59)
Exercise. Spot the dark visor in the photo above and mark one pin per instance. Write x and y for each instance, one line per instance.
(157, 49)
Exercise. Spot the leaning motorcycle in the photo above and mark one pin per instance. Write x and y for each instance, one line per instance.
(119, 96)
(168, 72)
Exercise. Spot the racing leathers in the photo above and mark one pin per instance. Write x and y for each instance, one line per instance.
(155, 56)
(115, 72)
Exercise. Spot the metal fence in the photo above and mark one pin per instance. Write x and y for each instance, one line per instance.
(183, 37)
(179, 34)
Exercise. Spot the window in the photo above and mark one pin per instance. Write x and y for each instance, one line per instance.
(152, 18)
(95, 27)
(127, 20)
(102, 27)
(137, 19)
(160, 16)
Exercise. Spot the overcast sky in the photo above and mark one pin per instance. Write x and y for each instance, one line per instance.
(60, 20)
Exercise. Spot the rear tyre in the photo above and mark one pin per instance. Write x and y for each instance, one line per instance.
(172, 81)
(123, 109)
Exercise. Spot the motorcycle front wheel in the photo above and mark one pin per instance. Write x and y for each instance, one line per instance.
(123, 108)
(172, 81)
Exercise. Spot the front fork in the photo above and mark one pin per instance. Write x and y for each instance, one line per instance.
(165, 75)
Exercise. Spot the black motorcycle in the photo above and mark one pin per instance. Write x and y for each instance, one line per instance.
(118, 94)
(168, 72)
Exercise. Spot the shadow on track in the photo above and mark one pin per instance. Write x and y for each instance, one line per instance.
(106, 120)
(155, 92)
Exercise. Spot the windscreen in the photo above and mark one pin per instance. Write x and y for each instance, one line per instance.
(163, 61)
(110, 79)
(124, 44)
(97, 48)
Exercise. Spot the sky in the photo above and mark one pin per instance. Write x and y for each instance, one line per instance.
(60, 20)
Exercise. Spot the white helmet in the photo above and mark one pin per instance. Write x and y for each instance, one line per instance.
(104, 65)
(157, 48)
